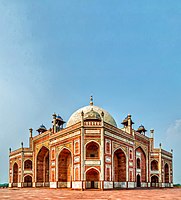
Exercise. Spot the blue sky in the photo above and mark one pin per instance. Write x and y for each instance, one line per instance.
(126, 54)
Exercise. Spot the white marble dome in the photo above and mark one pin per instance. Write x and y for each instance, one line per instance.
(76, 116)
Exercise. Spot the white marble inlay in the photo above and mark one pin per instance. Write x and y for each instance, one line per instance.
(168, 157)
(138, 154)
(65, 137)
(118, 137)
(19, 154)
(92, 131)
(108, 159)
(27, 171)
(92, 162)
(53, 163)
(76, 159)
(131, 164)
(28, 154)
(154, 172)
(154, 154)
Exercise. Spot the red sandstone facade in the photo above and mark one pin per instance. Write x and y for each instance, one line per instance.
(91, 152)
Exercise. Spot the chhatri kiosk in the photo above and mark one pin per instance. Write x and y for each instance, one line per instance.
(90, 152)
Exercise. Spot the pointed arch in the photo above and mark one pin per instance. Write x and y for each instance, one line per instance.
(119, 161)
(121, 149)
(92, 141)
(166, 172)
(92, 168)
(15, 173)
(42, 166)
(65, 166)
(92, 177)
(27, 181)
(144, 152)
(28, 164)
(92, 150)
(63, 148)
(154, 181)
(154, 165)
(141, 155)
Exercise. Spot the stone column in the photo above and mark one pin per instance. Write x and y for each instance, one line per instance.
(172, 168)
(34, 168)
(31, 137)
(127, 168)
(20, 184)
(152, 139)
(102, 152)
(129, 124)
(147, 167)
(160, 167)
(10, 168)
(54, 123)
(53, 158)
(82, 151)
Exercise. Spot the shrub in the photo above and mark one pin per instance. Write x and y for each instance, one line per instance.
(4, 185)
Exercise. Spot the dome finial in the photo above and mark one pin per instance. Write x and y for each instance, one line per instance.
(91, 100)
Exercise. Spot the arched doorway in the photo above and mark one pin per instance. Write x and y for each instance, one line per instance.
(154, 181)
(92, 150)
(138, 181)
(119, 167)
(92, 178)
(42, 172)
(64, 168)
(15, 175)
(28, 181)
(28, 165)
(154, 165)
(140, 166)
(166, 170)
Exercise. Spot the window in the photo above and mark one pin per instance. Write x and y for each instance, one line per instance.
(28, 165)
(138, 163)
(130, 154)
(92, 150)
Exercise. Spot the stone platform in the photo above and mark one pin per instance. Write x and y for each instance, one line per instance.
(57, 194)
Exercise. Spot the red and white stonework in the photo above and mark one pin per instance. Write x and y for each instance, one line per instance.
(91, 152)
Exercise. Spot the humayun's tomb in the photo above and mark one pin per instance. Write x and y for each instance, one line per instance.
(91, 152)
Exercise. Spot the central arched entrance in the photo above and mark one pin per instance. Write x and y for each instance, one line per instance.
(42, 172)
(119, 168)
(92, 179)
(15, 175)
(64, 168)
(27, 181)
(154, 181)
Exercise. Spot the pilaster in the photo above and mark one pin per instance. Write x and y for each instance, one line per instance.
(102, 151)
(160, 166)
(22, 164)
(82, 147)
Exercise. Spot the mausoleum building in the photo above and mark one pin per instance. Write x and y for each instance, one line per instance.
(90, 152)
